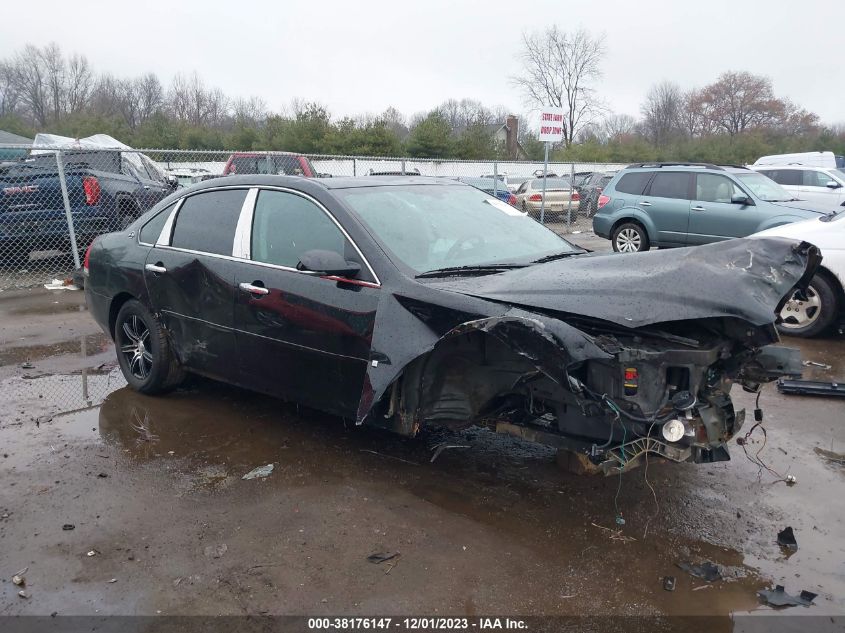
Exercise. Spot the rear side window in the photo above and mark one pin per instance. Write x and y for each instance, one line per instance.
(787, 177)
(670, 185)
(152, 229)
(207, 221)
(633, 183)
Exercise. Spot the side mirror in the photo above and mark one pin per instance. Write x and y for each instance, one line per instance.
(327, 263)
(832, 184)
(739, 198)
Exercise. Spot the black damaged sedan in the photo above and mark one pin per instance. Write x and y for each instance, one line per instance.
(413, 302)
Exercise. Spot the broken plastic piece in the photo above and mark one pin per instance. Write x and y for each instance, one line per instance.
(669, 583)
(786, 538)
(260, 472)
(778, 597)
(380, 557)
(706, 571)
(811, 387)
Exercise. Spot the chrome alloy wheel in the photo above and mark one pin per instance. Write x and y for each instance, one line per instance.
(136, 347)
(801, 310)
(628, 241)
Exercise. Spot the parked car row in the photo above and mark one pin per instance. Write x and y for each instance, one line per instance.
(667, 205)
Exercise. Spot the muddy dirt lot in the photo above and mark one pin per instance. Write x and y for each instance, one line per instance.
(163, 523)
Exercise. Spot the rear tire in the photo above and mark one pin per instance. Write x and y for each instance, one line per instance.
(629, 237)
(811, 312)
(143, 351)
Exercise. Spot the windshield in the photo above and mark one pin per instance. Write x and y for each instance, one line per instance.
(428, 227)
(765, 188)
(841, 172)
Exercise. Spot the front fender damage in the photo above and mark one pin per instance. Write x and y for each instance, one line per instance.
(573, 380)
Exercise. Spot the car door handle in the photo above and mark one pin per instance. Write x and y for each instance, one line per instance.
(155, 268)
(645, 203)
(252, 289)
(699, 208)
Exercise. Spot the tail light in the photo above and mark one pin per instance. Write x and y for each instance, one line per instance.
(87, 259)
(535, 197)
(603, 200)
(575, 196)
(92, 190)
(512, 200)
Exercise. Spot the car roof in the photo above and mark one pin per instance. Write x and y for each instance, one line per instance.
(694, 167)
(791, 166)
(300, 182)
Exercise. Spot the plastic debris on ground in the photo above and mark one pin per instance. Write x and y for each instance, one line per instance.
(786, 538)
(380, 557)
(260, 472)
(778, 597)
(61, 284)
(669, 583)
(706, 570)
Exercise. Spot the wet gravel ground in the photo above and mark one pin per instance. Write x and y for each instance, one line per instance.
(153, 487)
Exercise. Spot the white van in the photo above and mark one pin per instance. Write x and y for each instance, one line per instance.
(810, 159)
(822, 185)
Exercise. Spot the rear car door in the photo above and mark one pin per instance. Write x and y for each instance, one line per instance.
(189, 275)
(667, 203)
(713, 217)
(301, 336)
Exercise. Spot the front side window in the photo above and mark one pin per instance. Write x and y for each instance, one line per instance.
(670, 185)
(814, 178)
(715, 188)
(285, 226)
(764, 188)
(206, 222)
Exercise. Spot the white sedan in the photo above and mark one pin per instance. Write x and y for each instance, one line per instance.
(823, 305)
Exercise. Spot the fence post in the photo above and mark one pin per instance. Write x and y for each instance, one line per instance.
(571, 191)
(403, 167)
(68, 214)
(495, 179)
(354, 166)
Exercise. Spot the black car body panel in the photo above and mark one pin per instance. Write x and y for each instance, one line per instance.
(594, 353)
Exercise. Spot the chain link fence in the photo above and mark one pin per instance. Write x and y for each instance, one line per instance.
(55, 201)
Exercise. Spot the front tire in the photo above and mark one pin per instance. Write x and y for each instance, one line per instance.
(143, 351)
(629, 237)
(811, 312)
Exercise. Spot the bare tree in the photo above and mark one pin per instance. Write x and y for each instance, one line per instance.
(558, 68)
(662, 110)
(149, 95)
(55, 77)
(79, 83)
(29, 80)
(738, 101)
(616, 126)
(252, 110)
(9, 97)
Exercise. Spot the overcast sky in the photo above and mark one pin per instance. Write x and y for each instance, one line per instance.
(358, 57)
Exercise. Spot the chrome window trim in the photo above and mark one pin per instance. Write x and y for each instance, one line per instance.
(167, 229)
(175, 205)
(322, 207)
(242, 244)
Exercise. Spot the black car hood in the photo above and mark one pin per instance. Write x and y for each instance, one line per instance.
(743, 278)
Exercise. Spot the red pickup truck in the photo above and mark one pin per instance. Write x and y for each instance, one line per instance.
(277, 163)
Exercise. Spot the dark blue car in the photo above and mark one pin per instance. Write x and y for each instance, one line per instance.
(486, 185)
